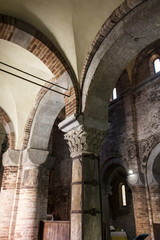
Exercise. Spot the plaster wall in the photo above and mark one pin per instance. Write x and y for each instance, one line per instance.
(65, 23)
(20, 94)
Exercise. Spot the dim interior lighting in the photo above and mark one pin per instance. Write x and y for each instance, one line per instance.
(157, 65)
(130, 171)
(114, 93)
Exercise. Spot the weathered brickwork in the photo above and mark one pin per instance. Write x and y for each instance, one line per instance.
(155, 201)
(4, 119)
(42, 48)
(71, 102)
(141, 210)
(32, 206)
(7, 199)
(134, 133)
(144, 68)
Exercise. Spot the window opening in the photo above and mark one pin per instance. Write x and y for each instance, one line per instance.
(114, 94)
(123, 191)
(156, 65)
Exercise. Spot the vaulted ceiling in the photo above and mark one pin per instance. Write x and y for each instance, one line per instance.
(70, 24)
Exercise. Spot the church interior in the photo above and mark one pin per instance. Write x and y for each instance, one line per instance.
(79, 119)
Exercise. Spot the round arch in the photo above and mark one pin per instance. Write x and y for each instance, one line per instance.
(45, 116)
(108, 167)
(28, 37)
(122, 44)
(153, 166)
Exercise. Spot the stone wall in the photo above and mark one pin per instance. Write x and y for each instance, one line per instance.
(133, 133)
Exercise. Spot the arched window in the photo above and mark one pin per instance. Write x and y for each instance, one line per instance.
(114, 94)
(123, 192)
(156, 64)
(122, 195)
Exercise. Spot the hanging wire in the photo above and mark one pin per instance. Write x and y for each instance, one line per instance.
(32, 75)
(27, 80)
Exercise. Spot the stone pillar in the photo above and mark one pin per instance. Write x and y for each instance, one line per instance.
(86, 215)
(140, 203)
(32, 205)
(8, 189)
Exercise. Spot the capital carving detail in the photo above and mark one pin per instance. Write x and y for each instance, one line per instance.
(82, 139)
(34, 157)
(11, 158)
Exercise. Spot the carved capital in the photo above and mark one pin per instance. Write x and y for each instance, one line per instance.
(34, 157)
(11, 158)
(82, 139)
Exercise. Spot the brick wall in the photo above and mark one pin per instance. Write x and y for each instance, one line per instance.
(7, 199)
(71, 102)
(141, 210)
(15, 31)
(134, 132)
(5, 120)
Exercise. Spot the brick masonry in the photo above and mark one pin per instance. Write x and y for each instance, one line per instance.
(7, 199)
(31, 39)
(135, 136)
(5, 120)
(134, 133)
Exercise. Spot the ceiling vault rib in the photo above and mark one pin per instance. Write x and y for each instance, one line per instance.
(27, 80)
(32, 75)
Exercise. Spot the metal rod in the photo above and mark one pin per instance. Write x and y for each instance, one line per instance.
(32, 75)
(27, 80)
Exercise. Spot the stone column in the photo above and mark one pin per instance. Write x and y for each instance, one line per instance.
(86, 216)
(8, 189)
(140, 203)
(32, 205)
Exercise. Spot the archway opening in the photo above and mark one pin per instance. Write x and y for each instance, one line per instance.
(59, 164)
(118, 197)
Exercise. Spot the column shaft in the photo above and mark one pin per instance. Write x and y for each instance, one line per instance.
(7, 199)
(32, 204)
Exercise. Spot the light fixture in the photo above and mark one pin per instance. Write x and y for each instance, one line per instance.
(130, 171)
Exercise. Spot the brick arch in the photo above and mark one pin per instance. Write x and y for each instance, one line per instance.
(7, 124)
(15, 31)
(117, 15)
